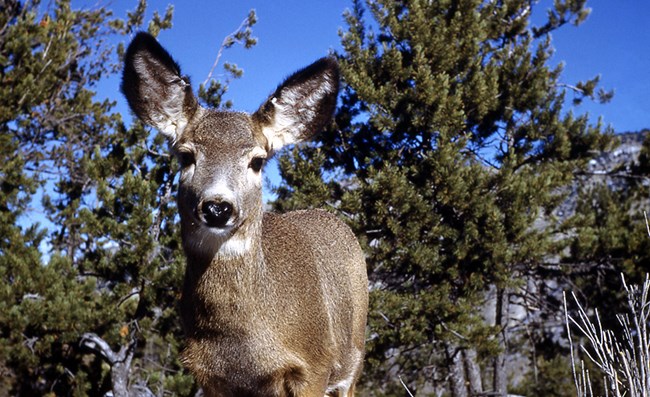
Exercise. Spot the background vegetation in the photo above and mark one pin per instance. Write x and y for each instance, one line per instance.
(477, 197)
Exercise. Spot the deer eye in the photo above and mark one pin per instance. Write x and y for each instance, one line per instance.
(257, 163)
(186, 158)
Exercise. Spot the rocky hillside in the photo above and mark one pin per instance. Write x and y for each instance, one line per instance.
(611, 167)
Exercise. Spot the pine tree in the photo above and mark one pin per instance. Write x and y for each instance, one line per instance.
(450, 150)
(611, 224)
(96, 312)
(610, 229)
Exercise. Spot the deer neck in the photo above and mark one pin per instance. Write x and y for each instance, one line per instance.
(221, 275)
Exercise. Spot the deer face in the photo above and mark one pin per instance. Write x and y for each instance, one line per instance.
(222, 153)
(221, 160)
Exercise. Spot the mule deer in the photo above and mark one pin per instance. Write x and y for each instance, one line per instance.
(272, 305)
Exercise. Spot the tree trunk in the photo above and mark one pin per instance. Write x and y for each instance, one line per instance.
(120, 362)
(473, 372)
(456, 372)
(120, 378)
(500, 380)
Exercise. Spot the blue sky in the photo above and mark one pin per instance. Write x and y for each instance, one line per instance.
(291, 35)
(614, 42)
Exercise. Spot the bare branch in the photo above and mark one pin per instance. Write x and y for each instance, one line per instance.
(93, 342)
(405, 387)
(227, 42)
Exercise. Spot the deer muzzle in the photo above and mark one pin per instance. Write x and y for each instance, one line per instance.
(216, 214)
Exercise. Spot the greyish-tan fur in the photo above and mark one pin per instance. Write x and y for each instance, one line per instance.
(272, 304)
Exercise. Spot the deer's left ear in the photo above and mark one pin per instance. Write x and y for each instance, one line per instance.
(301, 106)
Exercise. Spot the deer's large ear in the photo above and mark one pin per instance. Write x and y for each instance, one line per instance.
(155, 89)
(301, 106)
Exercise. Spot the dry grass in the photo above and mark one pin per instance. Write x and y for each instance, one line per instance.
(623, 359)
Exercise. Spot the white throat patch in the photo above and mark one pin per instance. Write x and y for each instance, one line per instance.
(234, 246)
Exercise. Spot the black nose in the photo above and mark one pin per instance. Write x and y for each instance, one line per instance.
(216, 214)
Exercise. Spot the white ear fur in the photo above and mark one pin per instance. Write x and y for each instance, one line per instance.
(155, 89)
(171, 117)
(301, 106)
(279, 132)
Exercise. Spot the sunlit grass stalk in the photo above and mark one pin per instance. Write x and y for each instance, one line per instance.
(625, 363)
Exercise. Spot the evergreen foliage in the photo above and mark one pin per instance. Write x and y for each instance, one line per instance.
(611, 232)
(451, 149)
(610, 221)
(87, 300)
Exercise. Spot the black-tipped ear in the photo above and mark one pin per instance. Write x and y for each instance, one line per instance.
(154, 87)
(302, 105)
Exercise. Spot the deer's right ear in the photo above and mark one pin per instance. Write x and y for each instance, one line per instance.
(155, 89)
